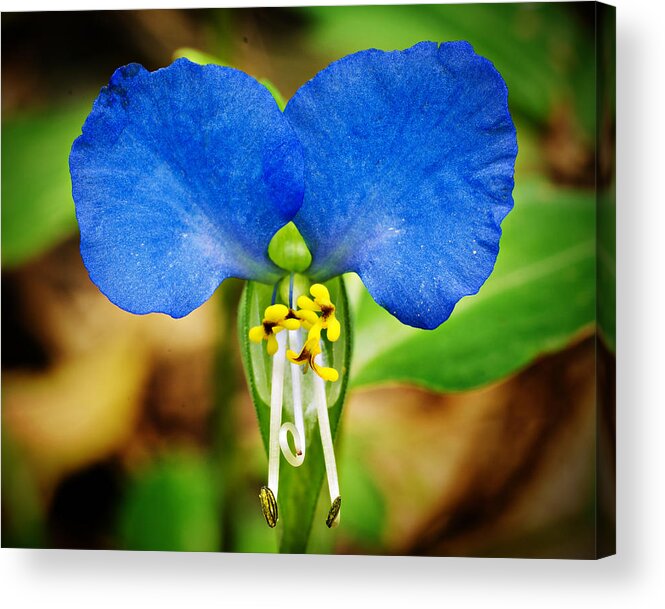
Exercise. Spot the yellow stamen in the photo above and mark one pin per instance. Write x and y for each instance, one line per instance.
(314, 333)
(276, 313)
(291, 324)
(308, 356)
(328, 320)
(321, 294)
(308, 309)
(306, 303)
(307, 318)
(256, 334)
(272, 345)
(327, 374)
(276, 318)
(334, 328)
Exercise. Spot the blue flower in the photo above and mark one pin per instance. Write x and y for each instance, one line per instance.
(182, 176)
(395, 165)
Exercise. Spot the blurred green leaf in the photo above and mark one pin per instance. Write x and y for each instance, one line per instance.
(607, 265)
(606, 174)
(37, 205)
(540, 295)
(298, 487)
(536, 47)
(364, 505)
(251, 533)
(274, 91)
(172, 506)
(23, 524)
(196, 56)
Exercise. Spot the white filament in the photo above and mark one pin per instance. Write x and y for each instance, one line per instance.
(296, 374)
(298, 430)
(295, 459)
(276, 395)
(326, 438)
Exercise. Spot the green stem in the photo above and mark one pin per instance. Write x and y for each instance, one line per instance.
(224, 421)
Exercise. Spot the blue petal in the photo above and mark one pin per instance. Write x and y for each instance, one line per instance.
(180, 179)
(409, 159)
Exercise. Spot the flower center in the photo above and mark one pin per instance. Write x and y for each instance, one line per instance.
(278, 317)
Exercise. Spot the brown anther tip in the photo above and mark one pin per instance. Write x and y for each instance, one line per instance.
(333, 512)
(269, 506)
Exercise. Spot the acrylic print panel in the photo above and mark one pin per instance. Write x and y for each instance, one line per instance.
(327, 280)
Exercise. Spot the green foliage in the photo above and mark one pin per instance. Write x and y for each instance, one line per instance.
(171, 505)
(298, 487)
(606, 252)
(274, 91)
(251, 532)
(364, 504)
(540, 295)
(37, 205)
(23, 522)
(196, 56)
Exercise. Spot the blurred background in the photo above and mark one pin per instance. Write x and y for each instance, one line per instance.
(492, 436)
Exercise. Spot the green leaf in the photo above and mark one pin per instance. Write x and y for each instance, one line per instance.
(23, 522)
(172, 505)
(365, 510)
(540, 295)
(196, 56)
(298, 487)
(274, 91)
(607, 265)
(37, 205)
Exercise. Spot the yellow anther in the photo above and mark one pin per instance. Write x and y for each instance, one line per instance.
(276, 313)
(291, 324)
(307, 318)
(321, 294)
(306, 303)
(272, 345)
(322, 304)
(327, 374)
(256, 334)
(314, 333)
(276, 318)
(308, 355)
(334, 328)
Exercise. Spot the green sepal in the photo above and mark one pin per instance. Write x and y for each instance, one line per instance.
(299, 488)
